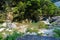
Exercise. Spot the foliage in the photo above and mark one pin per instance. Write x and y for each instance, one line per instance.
(42, 25)
(29, 9)
(9, 34)
(57, 33)
(1, 36)
(1, 21)
(32, 30)
(2, 17)
(14, 36)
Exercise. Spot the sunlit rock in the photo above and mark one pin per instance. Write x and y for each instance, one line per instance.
(23, 28)
(2, 29)
(13, 25)
(9, 25)
(9, 30)
(4, 24)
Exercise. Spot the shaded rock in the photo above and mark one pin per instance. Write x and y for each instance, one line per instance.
(57, 19)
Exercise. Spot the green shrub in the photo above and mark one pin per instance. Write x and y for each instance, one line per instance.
(57, 33)
(40, 34)
(32, 30)
(1, 21)
(1, 36)
(13, 36)
(42, 25)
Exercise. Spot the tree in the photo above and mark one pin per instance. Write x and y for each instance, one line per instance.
(30, 9)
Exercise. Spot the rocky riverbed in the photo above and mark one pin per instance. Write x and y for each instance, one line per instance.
(45, 32)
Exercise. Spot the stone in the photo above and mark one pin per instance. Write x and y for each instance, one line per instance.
(9, 25)
(2, 29)
(4, 24)
(57, 21)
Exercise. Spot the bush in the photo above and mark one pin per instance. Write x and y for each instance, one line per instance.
(42, 25)
(1, 36)
(1, 21)
(32, 30)
(13, 36)
(57, 33)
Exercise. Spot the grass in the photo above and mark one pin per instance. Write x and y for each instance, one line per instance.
(14, 36)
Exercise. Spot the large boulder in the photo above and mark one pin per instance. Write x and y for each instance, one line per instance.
(57, 18)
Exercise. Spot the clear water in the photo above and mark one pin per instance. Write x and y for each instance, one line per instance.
(36, 37)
